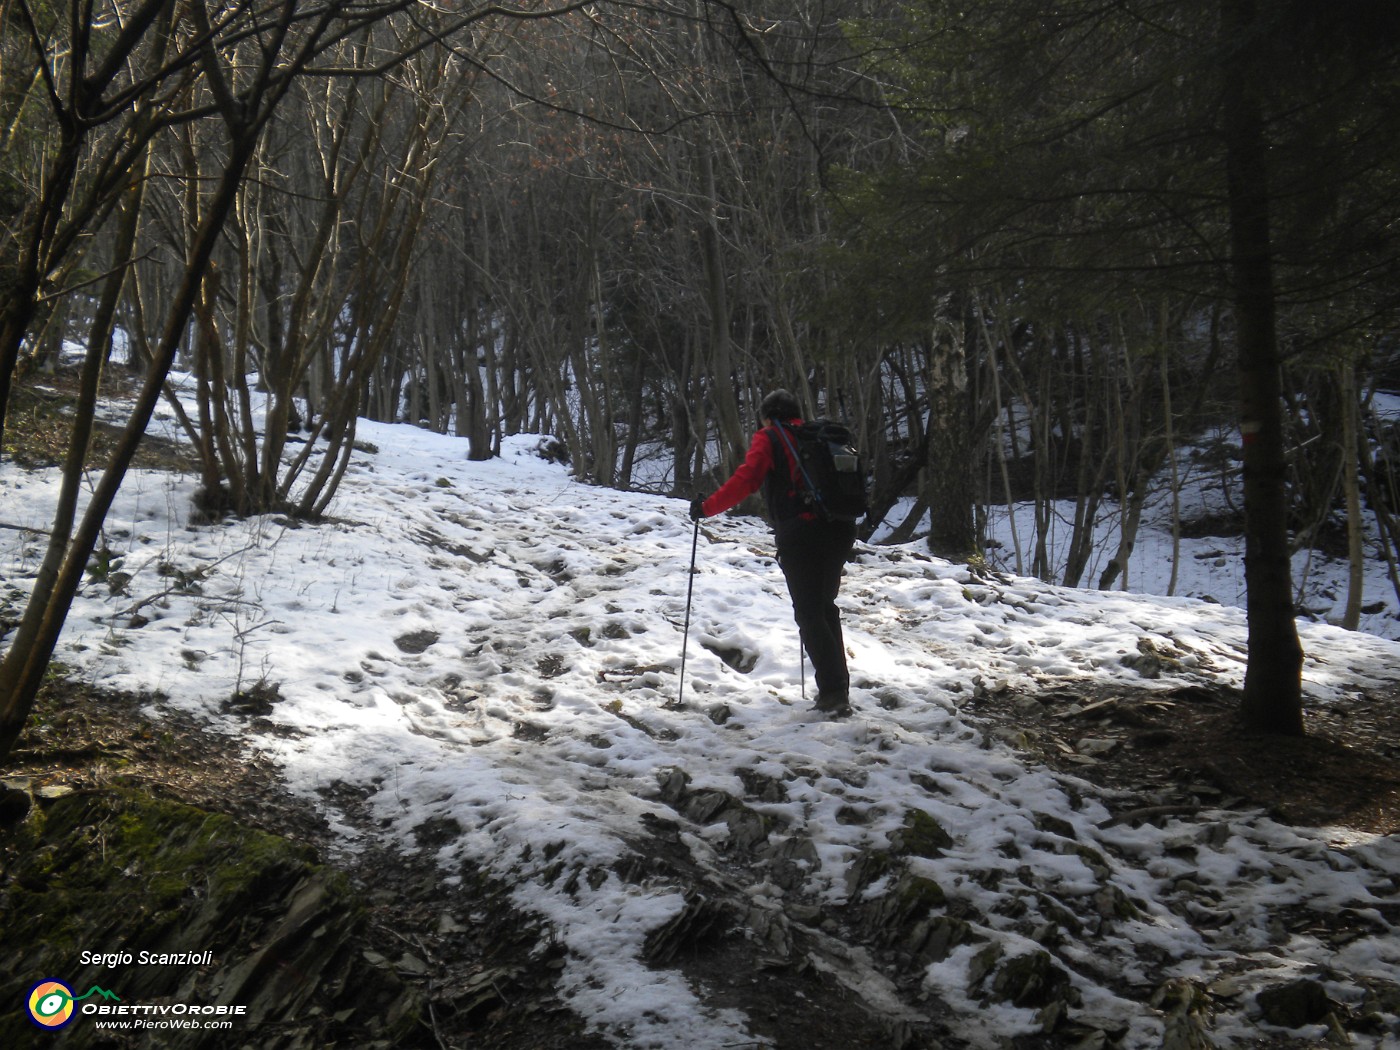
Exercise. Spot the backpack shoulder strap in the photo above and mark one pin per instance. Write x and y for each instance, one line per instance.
(801, 470)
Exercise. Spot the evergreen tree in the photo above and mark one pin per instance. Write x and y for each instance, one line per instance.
(1220, 150)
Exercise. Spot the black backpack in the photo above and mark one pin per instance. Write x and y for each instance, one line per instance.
(830, 477)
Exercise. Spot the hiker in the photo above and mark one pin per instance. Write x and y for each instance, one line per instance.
(811, 552)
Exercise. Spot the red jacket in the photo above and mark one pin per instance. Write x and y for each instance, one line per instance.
(750, 475)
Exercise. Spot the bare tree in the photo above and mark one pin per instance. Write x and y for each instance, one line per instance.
(111, 85)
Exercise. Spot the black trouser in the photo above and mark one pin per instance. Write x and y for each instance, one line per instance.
(813, 555)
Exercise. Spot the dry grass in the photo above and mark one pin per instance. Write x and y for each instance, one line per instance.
(39, 425)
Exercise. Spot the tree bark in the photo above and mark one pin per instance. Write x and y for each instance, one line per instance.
(1351, 486)
(948, 479)
(1273, 701)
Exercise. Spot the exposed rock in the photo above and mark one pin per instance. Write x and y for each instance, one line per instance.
(1030, 980)
(14, 806)
(920, 836)
(1187, 1015)
(1295, 1004)
(416, 642)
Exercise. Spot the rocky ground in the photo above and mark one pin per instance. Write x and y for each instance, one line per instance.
(477, 974)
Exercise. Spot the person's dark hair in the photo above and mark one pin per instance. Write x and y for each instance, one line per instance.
(779, 405)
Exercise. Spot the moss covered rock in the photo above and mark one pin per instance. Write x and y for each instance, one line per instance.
(177, 913)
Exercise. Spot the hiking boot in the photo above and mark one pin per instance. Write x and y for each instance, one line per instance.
(833, 703)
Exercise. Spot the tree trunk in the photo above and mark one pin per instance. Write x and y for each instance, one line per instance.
(1273, 700)
(948, 481)
(22, 669)
(1000, 436)
(1351, 485)
(1089, 475)
(732, 437)
(1168, 426)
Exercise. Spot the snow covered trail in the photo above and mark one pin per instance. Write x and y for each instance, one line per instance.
(492, 650)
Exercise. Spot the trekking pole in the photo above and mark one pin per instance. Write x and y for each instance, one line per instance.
(689, 588)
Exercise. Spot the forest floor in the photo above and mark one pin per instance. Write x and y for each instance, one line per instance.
(486, 971)
(482, 964)
(1345, 772)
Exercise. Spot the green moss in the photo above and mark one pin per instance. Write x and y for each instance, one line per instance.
(137, 863)
(115, 871)
(919, 894)
(1030, 981)
(920, 836)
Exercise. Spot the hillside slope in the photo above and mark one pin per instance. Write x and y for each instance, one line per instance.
(478, 662)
